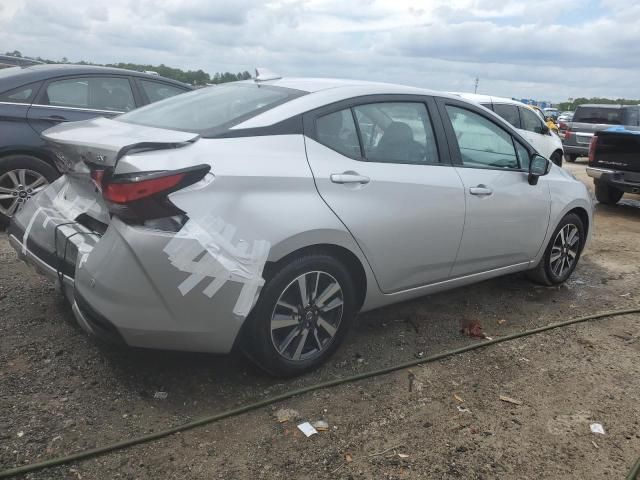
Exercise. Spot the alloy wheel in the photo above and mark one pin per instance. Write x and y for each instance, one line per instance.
(307, 316)
(564, 251)
(16, 187)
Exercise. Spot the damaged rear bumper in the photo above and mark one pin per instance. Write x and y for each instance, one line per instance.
(124, 287)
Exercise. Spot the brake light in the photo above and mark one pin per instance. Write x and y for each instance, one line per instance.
(592, 148)
(135, 189)
(567, 133)
(138, 198)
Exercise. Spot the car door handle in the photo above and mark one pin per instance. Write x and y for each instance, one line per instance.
(348, 177)
(481, 190)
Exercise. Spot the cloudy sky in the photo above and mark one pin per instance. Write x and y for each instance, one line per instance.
(526, 49)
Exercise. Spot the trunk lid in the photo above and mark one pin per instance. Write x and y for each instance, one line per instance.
(102, 142)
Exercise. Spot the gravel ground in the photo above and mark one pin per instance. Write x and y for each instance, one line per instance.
(61, 392)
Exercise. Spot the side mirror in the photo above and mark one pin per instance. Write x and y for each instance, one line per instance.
(538, 167)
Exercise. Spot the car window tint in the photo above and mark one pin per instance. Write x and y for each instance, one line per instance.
(19, 95)
(523, 155)
(508, 112)
(338, 131)
(397, 132)
(530, 121)
(159, 91)
(482, 143)
(96, 93)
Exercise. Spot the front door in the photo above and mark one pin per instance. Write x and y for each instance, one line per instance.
(384, 169)
(507, 218)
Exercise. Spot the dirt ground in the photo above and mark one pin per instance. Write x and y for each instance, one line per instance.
(61, 392)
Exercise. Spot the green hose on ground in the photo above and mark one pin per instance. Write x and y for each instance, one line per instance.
(634, 473)
(94, 452)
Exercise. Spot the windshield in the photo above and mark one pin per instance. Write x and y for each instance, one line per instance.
(211, 110)
(608, 115)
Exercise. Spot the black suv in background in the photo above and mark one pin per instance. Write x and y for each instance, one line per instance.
(35, 98)
(592, 118)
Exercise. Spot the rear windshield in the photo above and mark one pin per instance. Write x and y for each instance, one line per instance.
(211, 110)
(612, 116)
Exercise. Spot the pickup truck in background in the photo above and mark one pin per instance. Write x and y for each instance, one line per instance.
(592, 118)
(614, 163)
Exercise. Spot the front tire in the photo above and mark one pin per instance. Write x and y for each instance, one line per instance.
(607, 194)
(302, 315)
(563, 252)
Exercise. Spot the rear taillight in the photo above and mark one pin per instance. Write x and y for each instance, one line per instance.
(592, 148)
(129, 190)
(567, 133)
(139, 197)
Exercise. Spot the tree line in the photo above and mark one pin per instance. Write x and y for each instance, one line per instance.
(192, 77)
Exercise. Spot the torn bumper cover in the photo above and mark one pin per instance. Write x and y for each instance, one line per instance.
(148, 288)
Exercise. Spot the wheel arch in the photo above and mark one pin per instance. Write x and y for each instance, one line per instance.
(38, 153)
(347, 257)
(583, 216)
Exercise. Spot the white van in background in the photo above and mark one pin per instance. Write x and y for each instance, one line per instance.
(528, 123)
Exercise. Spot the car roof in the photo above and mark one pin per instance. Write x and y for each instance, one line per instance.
(479, 98)
(15, 77)
(324, 91)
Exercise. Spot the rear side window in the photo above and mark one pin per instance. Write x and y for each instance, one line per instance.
(482, 143)
(157, 91)
(396, 132)
(95, 93)
(212, 110)
(337, 131)
(608, 115)
(19, 95)
(508, 112)
(530, 120)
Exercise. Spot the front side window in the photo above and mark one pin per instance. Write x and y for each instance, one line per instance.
(211, 110)
(337, 131)
(157, 91)
(530, 121)
(481, 142)
(508, 112)
(397, 132)
(95, 93)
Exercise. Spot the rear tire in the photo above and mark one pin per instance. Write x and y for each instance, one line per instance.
(607, 194)
(556, 157)
(13, 170)
(570, 157)
(285, 337)
(562, 253)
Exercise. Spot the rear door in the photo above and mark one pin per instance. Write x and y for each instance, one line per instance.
(506, 218)
(382, 166)
(70, 99)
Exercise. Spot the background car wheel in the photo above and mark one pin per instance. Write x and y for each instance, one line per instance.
(570, 157)
(302, 315)
(563, 252)
(556, 157)
(607, 194)
(21, 177)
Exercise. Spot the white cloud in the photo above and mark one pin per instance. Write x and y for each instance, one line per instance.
(545, 49)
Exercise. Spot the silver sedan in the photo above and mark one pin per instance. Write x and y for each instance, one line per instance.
(268, 213)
